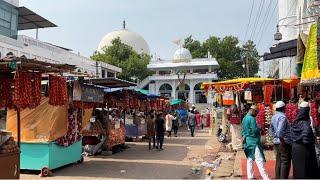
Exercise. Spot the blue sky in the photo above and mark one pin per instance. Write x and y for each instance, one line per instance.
(83, 23)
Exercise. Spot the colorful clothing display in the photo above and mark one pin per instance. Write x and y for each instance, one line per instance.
(257, 93)
(228, 98)
(74, 128)
(268, 90)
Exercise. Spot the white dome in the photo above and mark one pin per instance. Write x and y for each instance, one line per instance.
(127, 37)
(182, 54)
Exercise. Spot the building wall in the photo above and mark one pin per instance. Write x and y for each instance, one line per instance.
(282, 68)
(174, 83)
(8, 20)
(13, 2)
(32, 48)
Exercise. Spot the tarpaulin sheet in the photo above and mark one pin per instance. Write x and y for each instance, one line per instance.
(45, 123)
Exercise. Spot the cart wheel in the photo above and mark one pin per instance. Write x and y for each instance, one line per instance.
(45, 172)
(81, 160)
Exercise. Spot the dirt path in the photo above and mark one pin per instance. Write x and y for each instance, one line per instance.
(174, 162)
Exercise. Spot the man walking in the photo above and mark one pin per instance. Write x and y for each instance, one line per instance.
(160, 127)
(192, 121)
(280, 130)
(252, 144)
(151, 129)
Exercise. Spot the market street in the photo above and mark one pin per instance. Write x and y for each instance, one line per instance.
(175, 162)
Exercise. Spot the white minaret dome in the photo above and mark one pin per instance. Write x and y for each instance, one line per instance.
(127, 37)
(182, 54)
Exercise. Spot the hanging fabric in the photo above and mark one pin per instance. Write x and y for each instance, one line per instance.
(74, 128)
(268, 90)
(228, 98)
(58, 91)
(248, 95)
(310, 65)
(257, 93)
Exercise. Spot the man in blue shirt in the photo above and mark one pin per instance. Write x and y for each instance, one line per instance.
(280, 130)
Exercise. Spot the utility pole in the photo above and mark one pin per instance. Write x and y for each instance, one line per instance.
(247, 66)
(245, 62)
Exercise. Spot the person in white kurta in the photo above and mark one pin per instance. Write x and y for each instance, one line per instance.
(169, 119)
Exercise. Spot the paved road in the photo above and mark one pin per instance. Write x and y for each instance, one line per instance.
(174, 162)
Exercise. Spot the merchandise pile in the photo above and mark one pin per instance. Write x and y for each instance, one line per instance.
(9, 146)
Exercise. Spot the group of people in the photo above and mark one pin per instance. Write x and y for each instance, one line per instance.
(195, 119)
(294, 142)
(158, 124)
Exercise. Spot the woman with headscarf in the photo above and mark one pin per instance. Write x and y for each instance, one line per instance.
(303, 150)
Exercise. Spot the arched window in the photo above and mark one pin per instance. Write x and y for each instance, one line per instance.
(199, 94)
(197, 87)
(165, 90)
(183, 92)
(165, 87)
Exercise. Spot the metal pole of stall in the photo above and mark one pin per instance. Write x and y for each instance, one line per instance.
(18, 126)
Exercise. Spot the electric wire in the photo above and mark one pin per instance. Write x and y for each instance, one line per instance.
(250, 16)
(257, 19)
(264, 19)
(267, 24)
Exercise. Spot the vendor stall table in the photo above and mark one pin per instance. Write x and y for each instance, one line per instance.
(47, 156)
(10, 67)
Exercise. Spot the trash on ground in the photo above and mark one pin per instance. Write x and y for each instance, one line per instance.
(123, 171)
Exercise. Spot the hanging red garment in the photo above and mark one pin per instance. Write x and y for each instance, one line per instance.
(74, 128)
(208, 120)
(5, 92)
(314, 113)
(199, 120)
(27, 91)
(260, 118)
(58, 91)
(268, 90)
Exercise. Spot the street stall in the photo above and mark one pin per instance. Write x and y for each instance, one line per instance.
(181, 107)
(20, 90)
(235, 96)
(114, 111)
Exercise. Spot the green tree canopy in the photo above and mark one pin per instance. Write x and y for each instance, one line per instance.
(229, 54)
(133, 65)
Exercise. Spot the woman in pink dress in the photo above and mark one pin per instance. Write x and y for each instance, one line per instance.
(199, 119)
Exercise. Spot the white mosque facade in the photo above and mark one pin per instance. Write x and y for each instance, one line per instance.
(127, 37)
(182, 76)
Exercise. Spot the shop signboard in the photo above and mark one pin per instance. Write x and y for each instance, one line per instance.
(92, 94)
(87, 93)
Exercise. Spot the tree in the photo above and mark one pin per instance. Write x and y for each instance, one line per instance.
(250, 53)
(195, 47)
(228, 53)
(133, 65)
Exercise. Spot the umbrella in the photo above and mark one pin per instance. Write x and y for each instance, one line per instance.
(176, 101)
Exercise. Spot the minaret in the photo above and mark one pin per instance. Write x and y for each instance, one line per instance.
(124, 24)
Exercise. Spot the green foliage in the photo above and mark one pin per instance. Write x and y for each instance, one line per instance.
(195, 47)
(250, 52)
(133, 65)
(228, 54)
